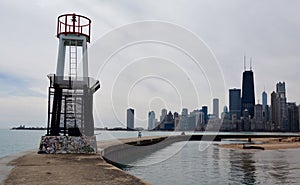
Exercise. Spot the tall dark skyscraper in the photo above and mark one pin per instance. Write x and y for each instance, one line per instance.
(205, 111)
(248, 97)
(130, 119)
(235, 102)
(264, 100)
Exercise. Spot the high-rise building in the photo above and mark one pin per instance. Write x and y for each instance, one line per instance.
(281, 117)
(163, 115)
(279, 108)
(235, 102)
(169, 122)
(258, 112)
(216, 107)
(264, 100)
(248, 97)
(184, 117)
(225, 113)
(130, 119)
(204, 109)
(274, 124)
(151, 120)
(258, 117)
(293, 117)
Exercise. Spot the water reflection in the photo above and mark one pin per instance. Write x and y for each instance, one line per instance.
(217, 165)
(242, 167)
(279, 168)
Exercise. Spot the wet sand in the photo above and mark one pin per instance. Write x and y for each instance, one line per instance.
(268, 143)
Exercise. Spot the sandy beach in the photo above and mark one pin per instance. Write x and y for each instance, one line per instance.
(268, 143)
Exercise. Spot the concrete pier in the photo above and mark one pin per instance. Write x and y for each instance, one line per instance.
(122, 152)
(31, 168)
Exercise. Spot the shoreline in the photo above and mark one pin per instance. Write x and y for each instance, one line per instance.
(6, 167)
(28, 167)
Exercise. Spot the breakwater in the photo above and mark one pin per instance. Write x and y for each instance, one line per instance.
(122, 152)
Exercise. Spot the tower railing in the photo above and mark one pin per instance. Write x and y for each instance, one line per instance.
(74, 24)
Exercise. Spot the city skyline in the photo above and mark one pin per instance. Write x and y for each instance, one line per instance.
(268, 34)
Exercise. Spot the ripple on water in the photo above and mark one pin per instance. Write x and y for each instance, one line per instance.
(215, 165)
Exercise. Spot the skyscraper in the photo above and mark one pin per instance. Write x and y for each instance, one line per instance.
(216, 107)
(235, 102)
(204, 109)
(151, 120)
(279, 108)
(264, 101)
(184, 117)
(281, 117)
(293, 117)
(258, 115)
(130, 119)
(163, 115)
(274, 124)
(248, 97)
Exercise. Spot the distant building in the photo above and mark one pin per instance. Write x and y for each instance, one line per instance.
(281, 106)
(279, 117)
(196, 120)
(216, 107)
(246, 122)
(130, 119)
(264, 100)
(293, 117)
(151, 120)
(225, 113)
(235, 102)
(248, 96)
(273, 121)
(163, 115)
(177, 123)
(184, 117)
(266, 118)
(168, 124)
(204, 109)
(258, 117)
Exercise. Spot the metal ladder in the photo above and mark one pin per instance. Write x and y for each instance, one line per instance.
(72, 100)
(73, 59)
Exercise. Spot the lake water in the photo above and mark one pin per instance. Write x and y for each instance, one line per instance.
(14, 141)
(195, 164)
(183, 163)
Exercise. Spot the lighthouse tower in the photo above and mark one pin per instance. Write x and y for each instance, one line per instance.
(70, 100)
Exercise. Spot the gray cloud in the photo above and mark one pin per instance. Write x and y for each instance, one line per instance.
(266, 30)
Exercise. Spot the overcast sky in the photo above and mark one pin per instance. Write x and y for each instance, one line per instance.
(149, 76)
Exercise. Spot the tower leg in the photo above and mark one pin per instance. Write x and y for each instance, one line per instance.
(56, 110)
(60, 68)
(88, 113)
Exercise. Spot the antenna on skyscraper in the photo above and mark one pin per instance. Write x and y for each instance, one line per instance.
(244, 62)
(250, 63)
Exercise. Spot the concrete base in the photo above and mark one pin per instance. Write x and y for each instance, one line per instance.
(68, 145)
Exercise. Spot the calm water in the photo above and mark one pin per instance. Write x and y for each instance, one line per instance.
(187, 162)
(194, 163)
(14, 141)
